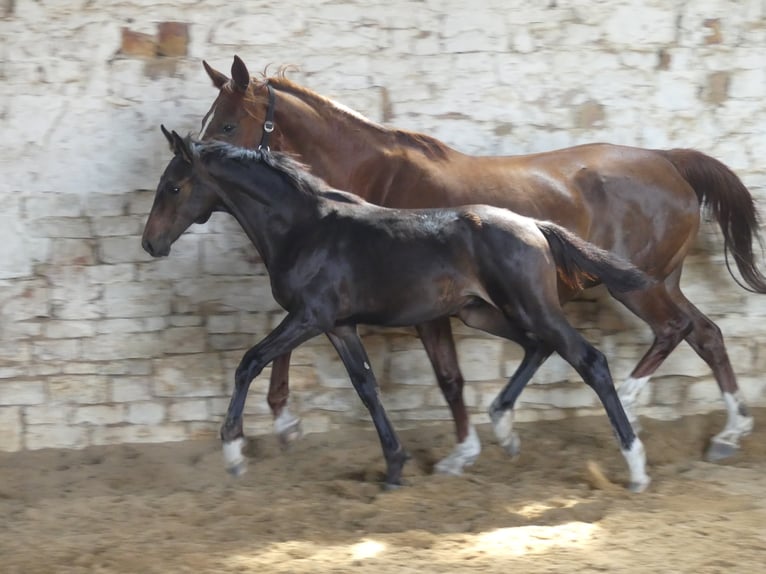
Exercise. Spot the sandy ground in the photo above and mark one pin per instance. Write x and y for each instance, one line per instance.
(318, 508)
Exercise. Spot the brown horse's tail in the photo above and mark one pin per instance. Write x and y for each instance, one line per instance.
(723, 194)
(581, 264)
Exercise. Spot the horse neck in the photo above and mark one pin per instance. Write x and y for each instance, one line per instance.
(331, 141)
(267, 208)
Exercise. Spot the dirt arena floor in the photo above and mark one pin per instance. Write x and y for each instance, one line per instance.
(317, 507)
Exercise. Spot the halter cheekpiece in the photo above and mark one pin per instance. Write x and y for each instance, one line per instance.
(268, 124)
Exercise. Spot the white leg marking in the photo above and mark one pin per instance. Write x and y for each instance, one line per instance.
(502, 425)
(738, 424)
(629, 392)
(635, 456)
(464, 454)
(287, 426)
(233, 457)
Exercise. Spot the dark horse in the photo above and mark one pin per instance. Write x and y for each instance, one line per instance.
(335, 261)
(641, 204)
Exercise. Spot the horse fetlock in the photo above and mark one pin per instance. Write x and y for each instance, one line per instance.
(464, 454)
(231, 429)
(502, 425)
(234, 461)
(287, 427)
(635, 456)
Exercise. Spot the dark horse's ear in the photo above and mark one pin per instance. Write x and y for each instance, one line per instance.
(169, 138)
(219, 79)
(239, 74)
(181, 149)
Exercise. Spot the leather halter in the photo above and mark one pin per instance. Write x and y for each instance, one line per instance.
(268, 124)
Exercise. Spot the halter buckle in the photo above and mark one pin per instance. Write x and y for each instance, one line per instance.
(268, 126)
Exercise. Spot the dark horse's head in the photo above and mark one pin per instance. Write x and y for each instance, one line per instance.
(182, 198)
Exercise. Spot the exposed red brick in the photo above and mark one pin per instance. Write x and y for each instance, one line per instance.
(715, 36)
(172, 39)
(137, 44)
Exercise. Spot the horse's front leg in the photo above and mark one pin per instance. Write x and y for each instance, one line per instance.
(287, 426)
(294, 329)
(351, 351)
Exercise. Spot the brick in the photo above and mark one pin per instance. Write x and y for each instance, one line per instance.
(146, 412)
(130, 389)
(57, 349)
(126, 249)
(73, 252)
(138, 434)
(80, 389)
(137, 44)
(139, 325)
(118, 225)
(194, 410)
(22, 393)
(198, 375)
(118, 346)
(479, 358)
(68, 329)
(57, 227)
(48, 414)
(137, 300)
(184, 340)
(10, 429)
(55, 436)
(99, 414)
(172, 38)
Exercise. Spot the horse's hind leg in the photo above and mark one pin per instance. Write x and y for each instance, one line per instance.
(287, 426)
(594, 369)
(669, 323)
(491, 320)
(439, 344)
(351, 351)
(707, 341)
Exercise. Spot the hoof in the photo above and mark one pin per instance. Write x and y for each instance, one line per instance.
(718, 451)
(452, 466)
(287, 428)
(238, 469)
(638, 487)
(391, 486)
(513, 446)
(233, 459)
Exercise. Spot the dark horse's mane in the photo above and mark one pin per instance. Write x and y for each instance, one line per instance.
(429, 146)
(296, 172)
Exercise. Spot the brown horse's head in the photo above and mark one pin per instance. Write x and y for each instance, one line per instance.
(239, 112)
(182, 198)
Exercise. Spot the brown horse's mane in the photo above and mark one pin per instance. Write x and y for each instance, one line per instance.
(428, 145)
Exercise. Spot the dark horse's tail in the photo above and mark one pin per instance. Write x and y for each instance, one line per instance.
(581, 264)
(721, 192)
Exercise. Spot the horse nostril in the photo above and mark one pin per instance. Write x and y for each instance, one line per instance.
(147, 245)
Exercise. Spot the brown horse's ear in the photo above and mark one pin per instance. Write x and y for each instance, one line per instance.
(181, 149)
(239, 74)
(168, 137)
(218, 78)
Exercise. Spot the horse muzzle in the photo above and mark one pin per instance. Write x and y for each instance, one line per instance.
(154, 249)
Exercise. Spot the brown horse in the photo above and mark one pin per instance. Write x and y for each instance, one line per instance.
(336, 261)
(641, 204)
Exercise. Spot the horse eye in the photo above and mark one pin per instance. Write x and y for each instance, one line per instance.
(227, 128)
(175, 190)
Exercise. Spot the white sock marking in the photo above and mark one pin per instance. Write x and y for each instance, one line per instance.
(232, 453)
(285, 421)
(464, 454)
(635, 456)
(503, 428)
(737, 425)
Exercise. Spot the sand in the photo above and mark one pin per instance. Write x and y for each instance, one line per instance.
(318, 506)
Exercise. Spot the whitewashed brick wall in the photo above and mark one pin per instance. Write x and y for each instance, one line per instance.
(100, 344)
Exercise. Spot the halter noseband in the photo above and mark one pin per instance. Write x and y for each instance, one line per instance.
(268, 124)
